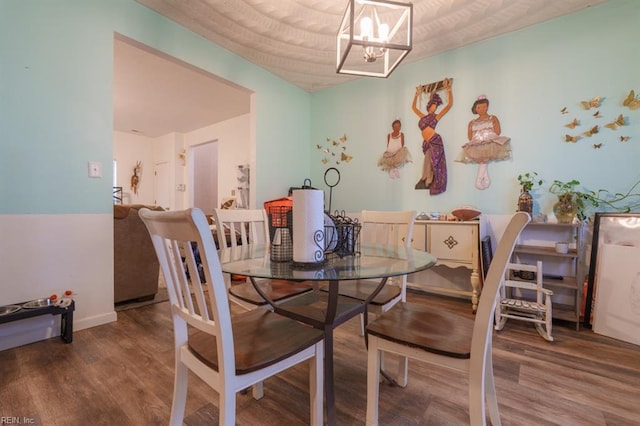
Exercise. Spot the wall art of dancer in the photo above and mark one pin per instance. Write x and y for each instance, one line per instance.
(396, 155)
(434, 168)
(485, 143)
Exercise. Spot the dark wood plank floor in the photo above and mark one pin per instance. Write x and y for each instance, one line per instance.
(122, 373)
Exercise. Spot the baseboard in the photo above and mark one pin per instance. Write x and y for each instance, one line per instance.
(95, 321)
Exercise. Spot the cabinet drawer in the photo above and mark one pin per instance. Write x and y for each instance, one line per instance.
(452, 242)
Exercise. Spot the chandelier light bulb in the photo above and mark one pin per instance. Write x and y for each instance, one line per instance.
(366, 28)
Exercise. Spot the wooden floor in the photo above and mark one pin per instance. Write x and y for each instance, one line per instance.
(122, 373)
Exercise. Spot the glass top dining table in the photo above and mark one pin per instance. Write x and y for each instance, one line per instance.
(373, 261)
(326, 309)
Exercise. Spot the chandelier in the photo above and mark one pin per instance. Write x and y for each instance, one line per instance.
(374, 37)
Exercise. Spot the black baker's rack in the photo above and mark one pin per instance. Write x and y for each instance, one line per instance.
(341, 234)
(345, 233)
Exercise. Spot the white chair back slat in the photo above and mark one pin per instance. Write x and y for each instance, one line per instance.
(244, 225)
(194, 277)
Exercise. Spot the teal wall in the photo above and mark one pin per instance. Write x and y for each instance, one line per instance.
(56, 111)
(529, 76)
(56, 108)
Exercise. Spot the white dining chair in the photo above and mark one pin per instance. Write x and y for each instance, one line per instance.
(446, 338)
(229, 353)
(382, 227)
(251, 226)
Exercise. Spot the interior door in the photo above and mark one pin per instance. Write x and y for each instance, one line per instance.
(162, 188)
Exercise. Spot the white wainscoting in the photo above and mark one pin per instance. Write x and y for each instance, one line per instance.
(45, 254)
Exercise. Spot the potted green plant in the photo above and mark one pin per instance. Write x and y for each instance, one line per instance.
(573, 202)
(527, 181)
(570, 200)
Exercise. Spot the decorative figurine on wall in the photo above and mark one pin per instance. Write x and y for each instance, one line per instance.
(396, 155)
(485, 143)
(135, 179)
(434, 168)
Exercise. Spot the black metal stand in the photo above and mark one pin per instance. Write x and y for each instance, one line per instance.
(66, 317)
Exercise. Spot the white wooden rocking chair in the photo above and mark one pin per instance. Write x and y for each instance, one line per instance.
(538, 311)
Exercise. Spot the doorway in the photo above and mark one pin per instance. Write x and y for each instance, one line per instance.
(162, 187)
(203, 176)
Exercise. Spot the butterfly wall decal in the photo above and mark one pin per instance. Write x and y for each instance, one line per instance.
(346, 158)
(597, 145)
(572, 139)
(564, 110)
(592, 131)
(624, 138)
(593, 103)
(631, 101)
(597, 114)
(615, 124)
(331, 153)
(573, 124)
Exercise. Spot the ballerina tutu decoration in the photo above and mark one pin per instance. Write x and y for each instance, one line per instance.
(485, 142)
(396, 155)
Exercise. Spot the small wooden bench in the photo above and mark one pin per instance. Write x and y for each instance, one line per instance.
(66, 317)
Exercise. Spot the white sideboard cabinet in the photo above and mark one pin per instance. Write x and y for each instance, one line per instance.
(456, 245)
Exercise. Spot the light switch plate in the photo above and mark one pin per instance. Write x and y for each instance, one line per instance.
(95, 169)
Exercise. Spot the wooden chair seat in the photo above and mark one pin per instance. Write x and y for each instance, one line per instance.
(361, 289)
(430, 329)
(276, 290)
(261, 339)
(523, 304)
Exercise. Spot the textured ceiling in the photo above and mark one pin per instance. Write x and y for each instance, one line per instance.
(295, 39)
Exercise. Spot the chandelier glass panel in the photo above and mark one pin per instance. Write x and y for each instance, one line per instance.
(374, 37)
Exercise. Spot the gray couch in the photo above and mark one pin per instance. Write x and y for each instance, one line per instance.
(136, 267)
